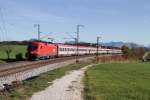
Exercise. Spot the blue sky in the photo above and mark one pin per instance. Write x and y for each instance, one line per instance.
(113, 20)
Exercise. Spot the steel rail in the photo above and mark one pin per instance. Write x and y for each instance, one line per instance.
(13, 70)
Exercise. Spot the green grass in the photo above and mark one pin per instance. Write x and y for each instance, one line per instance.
(39, 83)
(128, 81)
(15, 50)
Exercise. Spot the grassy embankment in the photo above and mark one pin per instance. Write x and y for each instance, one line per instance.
(118, 81)
(28, 87)
(16, 49)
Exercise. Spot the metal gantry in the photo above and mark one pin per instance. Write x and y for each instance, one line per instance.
(77, 42)
(97, 53)
(38, 30)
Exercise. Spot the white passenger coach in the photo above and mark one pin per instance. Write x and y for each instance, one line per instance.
(67, 50)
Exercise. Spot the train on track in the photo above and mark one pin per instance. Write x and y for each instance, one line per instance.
(44, 50)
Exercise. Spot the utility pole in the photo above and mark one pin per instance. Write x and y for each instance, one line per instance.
(38, 30)
(77, 42)
(38, 25)
(97, 53)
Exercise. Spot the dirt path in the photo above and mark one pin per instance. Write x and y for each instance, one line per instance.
(68, 87)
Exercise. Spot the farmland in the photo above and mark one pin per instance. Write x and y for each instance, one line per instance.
(126, 81)
(16, 49)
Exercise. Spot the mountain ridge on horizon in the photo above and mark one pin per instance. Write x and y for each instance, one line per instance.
(120, 44)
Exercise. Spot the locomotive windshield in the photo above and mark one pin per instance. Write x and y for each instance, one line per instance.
(32, 47)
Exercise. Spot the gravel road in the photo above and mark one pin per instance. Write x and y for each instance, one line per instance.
(69, 87)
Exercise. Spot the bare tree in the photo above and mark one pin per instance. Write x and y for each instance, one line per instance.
(8, 50)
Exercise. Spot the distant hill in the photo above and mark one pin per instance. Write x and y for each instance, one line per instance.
(120, 44)
(111, 44)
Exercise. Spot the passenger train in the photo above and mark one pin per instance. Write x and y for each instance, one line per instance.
(44, 50)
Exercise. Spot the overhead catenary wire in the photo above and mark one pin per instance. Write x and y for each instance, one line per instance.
(1, 33)
(3, 29)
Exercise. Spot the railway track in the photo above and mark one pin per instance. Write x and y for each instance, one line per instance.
(36, 64)
(23, 72)
(33, 65)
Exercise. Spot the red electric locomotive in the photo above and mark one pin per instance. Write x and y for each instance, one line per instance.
(41, 50)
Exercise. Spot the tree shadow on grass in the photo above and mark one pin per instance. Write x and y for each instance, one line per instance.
(11, 60)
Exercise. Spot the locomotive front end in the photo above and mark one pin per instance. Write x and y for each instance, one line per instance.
(32, 50)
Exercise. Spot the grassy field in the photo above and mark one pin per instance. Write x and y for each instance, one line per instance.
(128, 81)
(16, 49)
(24, 91)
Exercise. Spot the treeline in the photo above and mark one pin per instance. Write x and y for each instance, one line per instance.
(15, 42)
(134, 53)
(91, 44)
(25, 42)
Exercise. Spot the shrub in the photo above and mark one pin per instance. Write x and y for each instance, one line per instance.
(19, 56)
